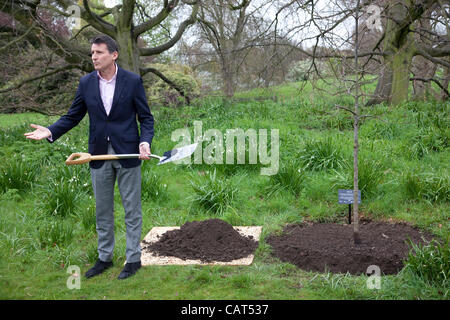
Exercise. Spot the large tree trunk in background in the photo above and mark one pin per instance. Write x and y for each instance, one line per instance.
(127, 41)
(399, 47)
(393, 81)
(228, 76)
(401, 69)
(128, 51)
(392, 86)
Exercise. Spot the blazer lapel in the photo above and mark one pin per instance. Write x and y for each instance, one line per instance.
(96, 87)
(120, 84)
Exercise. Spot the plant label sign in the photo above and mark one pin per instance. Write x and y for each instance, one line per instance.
(345, 196)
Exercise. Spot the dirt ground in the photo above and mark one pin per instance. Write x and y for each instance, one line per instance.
(329, 246)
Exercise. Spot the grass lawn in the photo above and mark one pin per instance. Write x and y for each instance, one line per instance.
(47, 217)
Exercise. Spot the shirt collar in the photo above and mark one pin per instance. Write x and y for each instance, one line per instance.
(113, 78)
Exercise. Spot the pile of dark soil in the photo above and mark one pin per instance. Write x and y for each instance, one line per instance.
(208, 240)
(329, 247)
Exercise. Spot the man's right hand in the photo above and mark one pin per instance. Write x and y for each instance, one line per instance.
(38, 134)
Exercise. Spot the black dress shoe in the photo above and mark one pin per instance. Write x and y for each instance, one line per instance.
(99, 267)
(129, 269)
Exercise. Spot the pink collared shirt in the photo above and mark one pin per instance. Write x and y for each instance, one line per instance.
(107, 90)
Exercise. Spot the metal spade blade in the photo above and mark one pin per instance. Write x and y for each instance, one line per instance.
(178, 153)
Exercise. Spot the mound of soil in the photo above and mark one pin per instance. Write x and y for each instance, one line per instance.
(329, 247)
(208, 240)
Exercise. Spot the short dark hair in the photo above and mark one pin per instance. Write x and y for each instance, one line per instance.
(111, 44)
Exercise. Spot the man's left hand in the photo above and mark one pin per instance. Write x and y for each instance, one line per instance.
(144, 151)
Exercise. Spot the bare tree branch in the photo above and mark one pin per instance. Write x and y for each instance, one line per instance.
(425, 54)
(96, 21)
(434, 80)
(243, 4)
(148, 25)
(6, 46)
(50, 73)
(174, 39)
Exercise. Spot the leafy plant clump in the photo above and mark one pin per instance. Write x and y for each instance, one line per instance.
(427, 186)
(153, 187)
(17, 174)
(431, 262)
(55, 232)
(322, 155)
(59, 198)
(370, 177)
(290, 177)
(213, 193)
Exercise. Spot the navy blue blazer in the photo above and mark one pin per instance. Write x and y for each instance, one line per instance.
(129, 103)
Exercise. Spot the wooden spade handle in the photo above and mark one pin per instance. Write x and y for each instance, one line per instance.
(82, 157)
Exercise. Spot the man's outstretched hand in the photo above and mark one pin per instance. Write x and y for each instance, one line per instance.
(38, 134)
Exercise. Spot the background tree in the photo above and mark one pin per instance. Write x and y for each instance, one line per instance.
(35, 20)
(411, 28)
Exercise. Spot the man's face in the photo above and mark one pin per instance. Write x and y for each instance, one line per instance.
(101, 57)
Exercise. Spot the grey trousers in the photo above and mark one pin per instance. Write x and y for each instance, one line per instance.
(129, 182)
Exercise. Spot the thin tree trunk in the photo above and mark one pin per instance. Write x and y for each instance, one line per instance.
(356, 237)
(228, 85)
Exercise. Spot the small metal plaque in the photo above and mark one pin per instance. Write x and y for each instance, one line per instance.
(345, 196)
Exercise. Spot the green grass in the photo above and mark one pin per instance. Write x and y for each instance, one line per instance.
(430, 262)
(49, 224)
(9, 120)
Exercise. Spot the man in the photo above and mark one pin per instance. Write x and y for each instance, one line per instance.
(113, 97)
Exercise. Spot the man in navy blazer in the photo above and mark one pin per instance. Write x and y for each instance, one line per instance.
(113, 98)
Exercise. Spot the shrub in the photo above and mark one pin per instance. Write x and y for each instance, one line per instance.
(159, 92)
(303, 70)
(212, 193)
